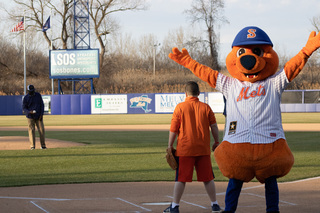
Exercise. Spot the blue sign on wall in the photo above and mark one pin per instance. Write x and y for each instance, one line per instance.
(141, 103)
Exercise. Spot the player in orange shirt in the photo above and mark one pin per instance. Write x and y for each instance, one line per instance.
(191, 122)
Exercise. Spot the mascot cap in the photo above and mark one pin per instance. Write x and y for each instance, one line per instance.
(251, 36)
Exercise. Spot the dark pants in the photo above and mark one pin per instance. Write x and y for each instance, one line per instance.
(271, 193)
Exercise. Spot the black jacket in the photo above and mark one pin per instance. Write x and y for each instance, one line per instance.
(33, 102)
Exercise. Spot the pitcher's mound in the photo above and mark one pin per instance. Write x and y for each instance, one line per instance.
(20, 142)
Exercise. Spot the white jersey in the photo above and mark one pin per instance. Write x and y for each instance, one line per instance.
(253, 109)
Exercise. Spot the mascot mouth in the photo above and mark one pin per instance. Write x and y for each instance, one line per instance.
(251, 75)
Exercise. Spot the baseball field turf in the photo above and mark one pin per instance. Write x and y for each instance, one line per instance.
(122, 156)
(135, 119)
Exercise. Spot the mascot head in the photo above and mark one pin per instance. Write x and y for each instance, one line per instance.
(252, 57)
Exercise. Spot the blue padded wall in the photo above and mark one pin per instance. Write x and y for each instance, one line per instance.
(75, 106)
(56, 104)
(66, 104)
(11, 105)
(85, 104)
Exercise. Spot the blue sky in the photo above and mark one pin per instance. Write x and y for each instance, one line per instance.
(287, 22)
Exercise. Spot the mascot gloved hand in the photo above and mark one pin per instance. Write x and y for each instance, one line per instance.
(313, 43)
(295, 64)
(254, 144)
(183, 58)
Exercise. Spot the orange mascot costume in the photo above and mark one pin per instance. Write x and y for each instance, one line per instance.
(254, 143)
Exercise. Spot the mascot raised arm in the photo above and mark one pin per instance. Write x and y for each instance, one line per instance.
(254, 143)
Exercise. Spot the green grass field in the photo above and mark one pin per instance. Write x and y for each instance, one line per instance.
(124, 156)
(134, 119)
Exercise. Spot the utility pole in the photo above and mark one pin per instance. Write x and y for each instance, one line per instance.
(154, 58)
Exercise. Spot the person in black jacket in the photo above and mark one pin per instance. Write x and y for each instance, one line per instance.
(33, 107)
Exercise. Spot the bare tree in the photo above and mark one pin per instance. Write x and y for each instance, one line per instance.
(100, 12)
(208, 12)
(315, 22)
(66, 14)
(181, 38)
(37, 12)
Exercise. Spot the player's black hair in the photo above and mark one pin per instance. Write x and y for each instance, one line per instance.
(192, 88)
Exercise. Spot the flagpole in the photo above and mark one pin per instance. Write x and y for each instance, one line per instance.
(24, 55)
(51, 46)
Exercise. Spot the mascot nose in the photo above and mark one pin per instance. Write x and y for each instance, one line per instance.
(248, 61)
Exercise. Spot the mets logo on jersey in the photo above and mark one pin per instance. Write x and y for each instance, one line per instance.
(232, 127)
(245, 94)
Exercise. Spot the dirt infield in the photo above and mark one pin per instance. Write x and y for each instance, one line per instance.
(295, 197)
(20, 142)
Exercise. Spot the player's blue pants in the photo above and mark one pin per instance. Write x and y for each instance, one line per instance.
(271, 193)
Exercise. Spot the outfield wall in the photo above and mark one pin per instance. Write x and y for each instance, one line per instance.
(144, 103)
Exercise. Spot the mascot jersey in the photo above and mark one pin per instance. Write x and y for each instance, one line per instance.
(255, 107)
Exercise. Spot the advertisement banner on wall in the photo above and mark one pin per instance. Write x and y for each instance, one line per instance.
(74, 63)
(109, 104)
(166, 103)
(47, 103)
(215, 101)
(141, 103)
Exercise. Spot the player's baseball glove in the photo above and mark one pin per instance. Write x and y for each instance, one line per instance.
(171, 158)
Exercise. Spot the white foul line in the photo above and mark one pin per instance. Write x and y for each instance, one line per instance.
(281, 183)
(193, 204)
(33, 198)
(157, 204)
(252, 194)
(133, 204)
(39, 207)
(55, 199)
(302, 180)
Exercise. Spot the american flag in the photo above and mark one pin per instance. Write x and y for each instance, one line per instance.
(19, 26)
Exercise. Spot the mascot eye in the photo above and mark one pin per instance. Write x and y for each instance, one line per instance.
(257, 51)
(241, 51)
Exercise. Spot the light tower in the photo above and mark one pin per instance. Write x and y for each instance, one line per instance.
(81, 24)
(81, 40)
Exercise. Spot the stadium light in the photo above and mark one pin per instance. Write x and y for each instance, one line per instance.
(154, 58)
